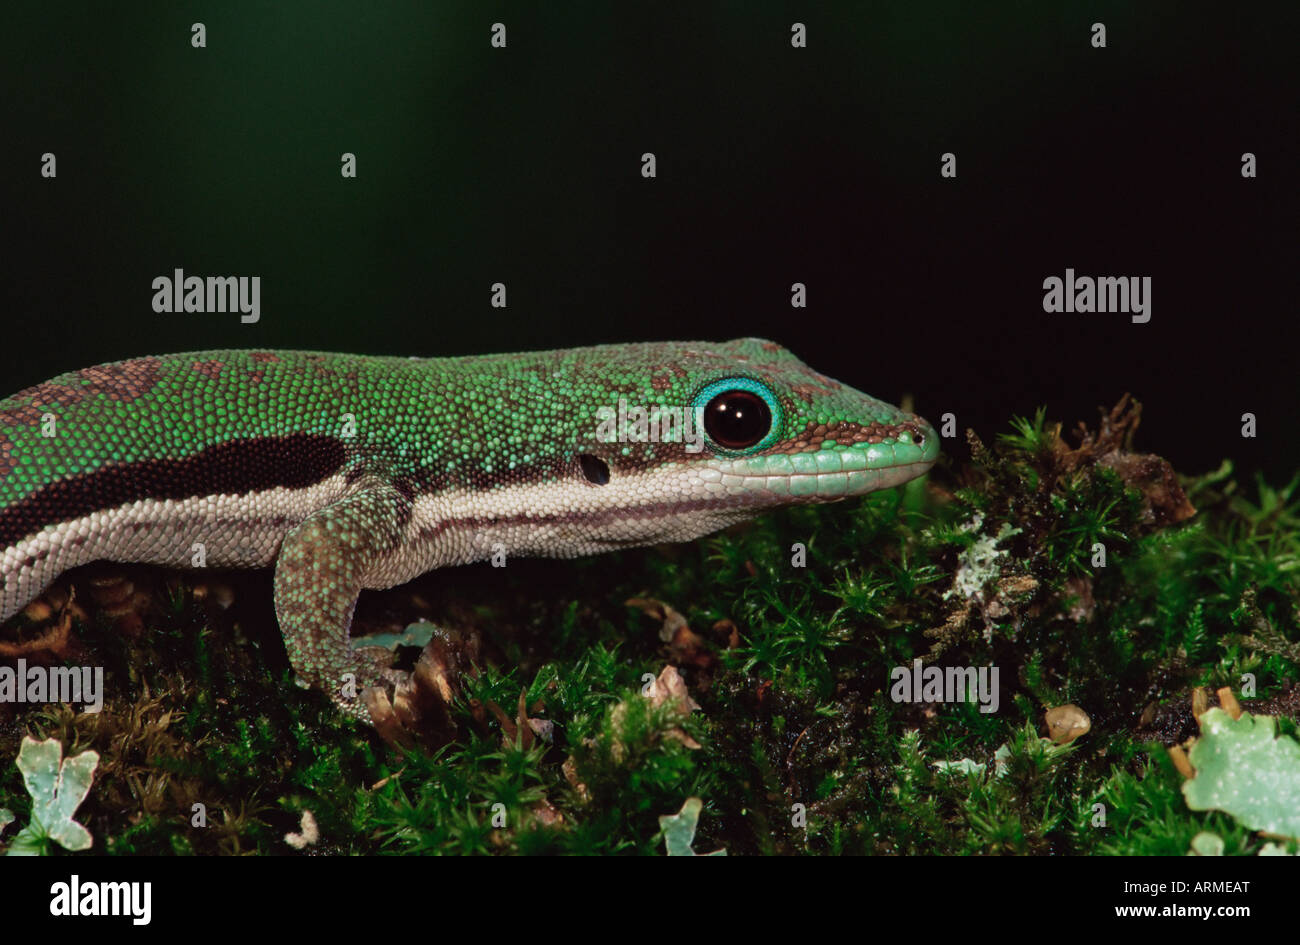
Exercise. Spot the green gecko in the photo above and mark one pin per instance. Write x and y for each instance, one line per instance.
(347, 472)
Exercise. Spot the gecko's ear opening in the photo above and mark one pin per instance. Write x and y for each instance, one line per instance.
(594, 468)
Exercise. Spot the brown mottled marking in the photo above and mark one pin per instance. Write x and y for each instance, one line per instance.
(210, 369)
(664, 379)
(808, 392)
(814, 435)
(261, 360)
(7, 463)
(122, 382)
(20, 416)
(322, 369)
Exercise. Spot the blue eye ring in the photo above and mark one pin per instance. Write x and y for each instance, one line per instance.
(748, 385)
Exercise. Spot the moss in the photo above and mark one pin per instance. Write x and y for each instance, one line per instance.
(797, 747)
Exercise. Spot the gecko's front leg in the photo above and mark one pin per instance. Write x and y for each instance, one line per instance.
(323, 565)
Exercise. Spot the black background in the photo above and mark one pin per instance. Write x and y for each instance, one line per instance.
(775, 165)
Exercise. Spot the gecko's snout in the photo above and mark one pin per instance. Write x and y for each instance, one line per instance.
(925, 438)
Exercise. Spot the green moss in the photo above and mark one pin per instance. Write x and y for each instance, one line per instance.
(800, 747)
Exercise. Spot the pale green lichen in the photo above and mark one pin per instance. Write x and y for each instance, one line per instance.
(679, 829)
(978, 565)
(1206, 844)
(57, 785)
(961, 766)
(1245, 769)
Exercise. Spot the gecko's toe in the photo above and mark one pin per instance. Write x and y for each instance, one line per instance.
(383, 717)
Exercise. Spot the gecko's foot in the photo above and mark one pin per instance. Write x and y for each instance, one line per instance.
(419, 709)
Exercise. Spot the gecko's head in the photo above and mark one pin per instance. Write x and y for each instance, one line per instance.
(706, 434)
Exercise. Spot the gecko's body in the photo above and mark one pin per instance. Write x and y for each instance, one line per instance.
(348, 472)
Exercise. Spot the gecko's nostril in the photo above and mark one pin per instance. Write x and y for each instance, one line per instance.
(594, 468)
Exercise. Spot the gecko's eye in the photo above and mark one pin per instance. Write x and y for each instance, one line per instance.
(738, 414)
(737, 419)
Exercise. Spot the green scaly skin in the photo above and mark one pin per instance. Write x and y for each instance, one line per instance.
(348, 472)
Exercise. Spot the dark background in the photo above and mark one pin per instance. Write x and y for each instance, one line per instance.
(776, 165)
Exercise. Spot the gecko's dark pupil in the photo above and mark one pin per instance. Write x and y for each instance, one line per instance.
(737, 419)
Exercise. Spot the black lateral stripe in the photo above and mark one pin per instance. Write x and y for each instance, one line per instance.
(235, 468)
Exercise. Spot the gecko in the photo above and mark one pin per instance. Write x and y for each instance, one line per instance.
(349, 472)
